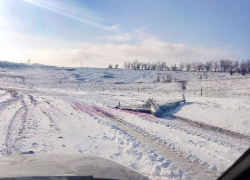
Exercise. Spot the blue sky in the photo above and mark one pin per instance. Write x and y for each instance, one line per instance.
(98, 32)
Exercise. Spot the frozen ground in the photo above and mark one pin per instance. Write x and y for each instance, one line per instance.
(65, 111)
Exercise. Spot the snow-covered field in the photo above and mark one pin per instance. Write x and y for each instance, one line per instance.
(69, 111)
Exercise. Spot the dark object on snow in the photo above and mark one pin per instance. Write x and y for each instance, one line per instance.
(152, 107)
(28, 152)
(72, 69)
(108, 76)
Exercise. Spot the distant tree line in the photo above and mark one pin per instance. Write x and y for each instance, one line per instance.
(12, 64)
(111, 66)
(42, 65)
(223, 65)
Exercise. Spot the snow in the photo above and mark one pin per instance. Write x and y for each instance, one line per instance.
(67, 111)
(232, 114)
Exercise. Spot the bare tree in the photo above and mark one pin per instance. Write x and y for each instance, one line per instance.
(188, 66)
(138, 66)
(174, 67)
(163, 66)
(243, 68)
(154, 66)
(116, 66)
(209, 66)
(167, 68)
(229, 64)
(248, 65)
(216, 66)
(147, 66)
(110, 66)
(134, 65)
(181, 66)
(230, 67)
(237, 66)
(125, 65)
(194, 66)
(143, 66)
(223, 65)
(200, 66)
(158, 66)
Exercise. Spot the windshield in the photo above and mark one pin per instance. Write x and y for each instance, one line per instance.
(159, 87)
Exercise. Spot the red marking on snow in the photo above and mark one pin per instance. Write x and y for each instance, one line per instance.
(89, 110)
(101, 111)
(84, 108)
(119, 113)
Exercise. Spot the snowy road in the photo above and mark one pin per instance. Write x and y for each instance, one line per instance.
(49, 122)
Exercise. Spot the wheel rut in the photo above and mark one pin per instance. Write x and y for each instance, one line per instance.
(15, 129)
(177, 157)
(209, 133)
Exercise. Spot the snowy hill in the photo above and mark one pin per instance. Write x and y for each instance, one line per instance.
(60, 110)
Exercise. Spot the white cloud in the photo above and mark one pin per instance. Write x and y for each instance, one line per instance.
(146, 51)
(113, 28)
(18, 47)
(117, 38)
(140, 33)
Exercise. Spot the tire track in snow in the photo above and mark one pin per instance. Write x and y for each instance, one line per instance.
(220, 142)
(215, 129)
(14, 131)
(51, 121)
(178, 158)
(47, 114)
(210, 133)
(7, 103)
(40, 121)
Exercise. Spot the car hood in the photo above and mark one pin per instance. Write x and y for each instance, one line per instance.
(63, 165)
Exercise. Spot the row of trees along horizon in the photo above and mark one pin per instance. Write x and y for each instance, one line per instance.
(14, 64)
(223, 65)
